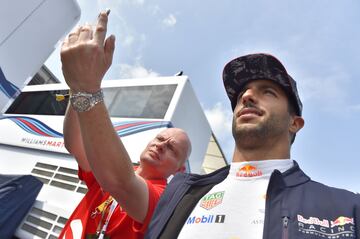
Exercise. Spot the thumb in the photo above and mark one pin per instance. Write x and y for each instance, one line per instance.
(109, 49)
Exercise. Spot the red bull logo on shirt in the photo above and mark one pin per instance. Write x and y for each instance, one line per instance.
(341, 227)
(210, 201)
(248, 171)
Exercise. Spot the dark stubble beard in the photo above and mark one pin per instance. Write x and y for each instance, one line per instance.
(253, 136)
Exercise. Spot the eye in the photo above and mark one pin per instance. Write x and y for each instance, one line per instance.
(171, 146)
(160, 138)
(240, 95)
(270, 91)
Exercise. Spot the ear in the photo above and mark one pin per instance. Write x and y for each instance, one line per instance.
(296, 123)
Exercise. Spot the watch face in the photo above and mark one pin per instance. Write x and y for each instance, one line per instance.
(81, 103)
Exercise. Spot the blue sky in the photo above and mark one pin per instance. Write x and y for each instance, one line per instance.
(317, 41)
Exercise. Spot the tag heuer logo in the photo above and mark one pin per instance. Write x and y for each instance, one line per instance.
(210, 201)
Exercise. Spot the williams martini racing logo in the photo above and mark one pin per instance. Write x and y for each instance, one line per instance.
(248, 171)
(341, 227)
(210, 201)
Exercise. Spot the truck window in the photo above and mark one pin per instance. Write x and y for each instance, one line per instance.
(126, 102)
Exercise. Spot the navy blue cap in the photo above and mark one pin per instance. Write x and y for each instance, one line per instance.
(240, 71)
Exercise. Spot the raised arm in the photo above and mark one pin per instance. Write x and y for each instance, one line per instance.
(86, 56)
(72, 134)
(73, 138)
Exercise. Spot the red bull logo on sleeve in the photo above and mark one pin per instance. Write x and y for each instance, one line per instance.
(210, 201)
(341, 227)
(248, 171)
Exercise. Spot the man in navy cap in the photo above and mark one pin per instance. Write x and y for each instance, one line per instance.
(263, 193)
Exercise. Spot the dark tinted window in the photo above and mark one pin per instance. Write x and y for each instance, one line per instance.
(132, 102)
(39, 103)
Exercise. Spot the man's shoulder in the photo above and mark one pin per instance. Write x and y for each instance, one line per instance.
(156, 185)
(157, 181)
(194, 178)
(319, 189)
(334, 190)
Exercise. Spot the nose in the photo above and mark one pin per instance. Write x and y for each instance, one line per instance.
(160, 145)
(249, 95)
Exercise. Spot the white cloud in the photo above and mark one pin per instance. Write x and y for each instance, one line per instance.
(169, 21)
(354, 107)
(154, 9)
(135, 71)
(139, 2)
(119, 3)
(330, 90)
(128, 40)
(108, 4)
(220, 119)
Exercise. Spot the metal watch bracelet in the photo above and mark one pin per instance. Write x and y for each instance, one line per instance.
(85, 101)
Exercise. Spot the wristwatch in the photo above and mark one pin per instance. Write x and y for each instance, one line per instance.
(84, 101)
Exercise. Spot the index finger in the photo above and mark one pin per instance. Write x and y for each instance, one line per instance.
(101, 28)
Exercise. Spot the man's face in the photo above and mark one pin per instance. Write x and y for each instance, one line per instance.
(166, 153)
(261, 114)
